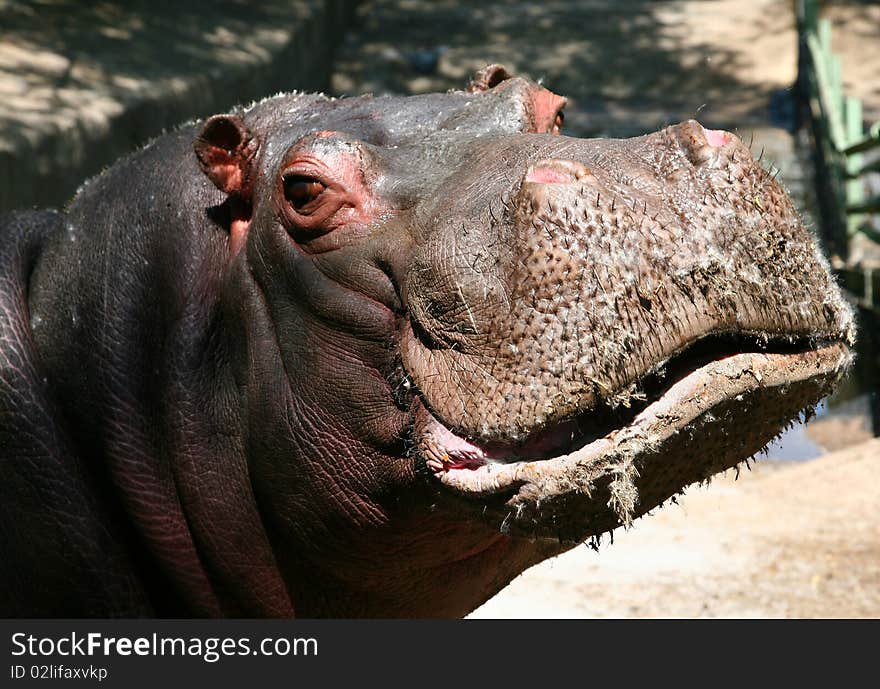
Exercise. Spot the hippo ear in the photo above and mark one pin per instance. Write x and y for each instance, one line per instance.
(226, 150)
(488, 78)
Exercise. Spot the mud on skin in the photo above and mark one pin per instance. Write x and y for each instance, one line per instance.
(376, 356)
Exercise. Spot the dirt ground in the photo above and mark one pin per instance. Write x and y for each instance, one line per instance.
(626, 66)
(787, 539)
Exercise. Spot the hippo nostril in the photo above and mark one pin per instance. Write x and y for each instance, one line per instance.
(716, 137)
(699, 144)
(559, 172)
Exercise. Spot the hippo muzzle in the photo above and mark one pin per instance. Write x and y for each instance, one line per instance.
(603, 322)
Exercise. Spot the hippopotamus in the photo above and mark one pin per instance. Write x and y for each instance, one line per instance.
(376, 356)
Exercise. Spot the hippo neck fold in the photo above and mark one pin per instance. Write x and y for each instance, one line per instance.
(151, 403)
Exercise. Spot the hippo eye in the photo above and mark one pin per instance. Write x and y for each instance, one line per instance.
(301, 190)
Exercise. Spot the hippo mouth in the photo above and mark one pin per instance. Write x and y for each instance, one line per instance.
(715, 404)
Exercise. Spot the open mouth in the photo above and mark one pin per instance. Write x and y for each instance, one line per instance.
(712, 405)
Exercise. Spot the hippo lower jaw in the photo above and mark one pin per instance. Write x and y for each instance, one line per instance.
(632, 469)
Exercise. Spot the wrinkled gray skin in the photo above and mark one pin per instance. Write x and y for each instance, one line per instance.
(376, 356)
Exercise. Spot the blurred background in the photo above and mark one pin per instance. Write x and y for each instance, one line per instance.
(796, 536)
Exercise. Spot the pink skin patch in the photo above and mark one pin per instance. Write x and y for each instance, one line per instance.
(547, 175)
(239, 226)
(716, 137)
(238, 232)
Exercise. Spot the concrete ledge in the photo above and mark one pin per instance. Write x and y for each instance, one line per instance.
(82, 84)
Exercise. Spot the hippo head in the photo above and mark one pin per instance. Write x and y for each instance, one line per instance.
(467, 342)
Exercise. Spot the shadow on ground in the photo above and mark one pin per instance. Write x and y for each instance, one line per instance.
(627, 66)
(83, 83)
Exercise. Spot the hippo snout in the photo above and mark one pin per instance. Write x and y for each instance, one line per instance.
(603, 274)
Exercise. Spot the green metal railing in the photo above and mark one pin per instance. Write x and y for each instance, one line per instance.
(841, 143)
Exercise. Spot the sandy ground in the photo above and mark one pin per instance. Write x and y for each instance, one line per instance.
(786, 539)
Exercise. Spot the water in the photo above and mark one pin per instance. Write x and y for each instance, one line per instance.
(794, 445)
(839, 421)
